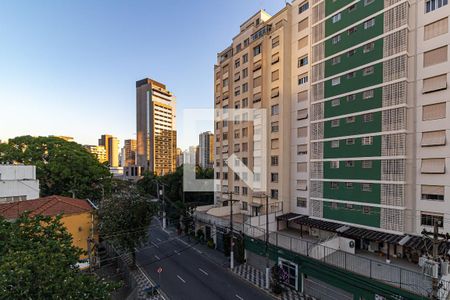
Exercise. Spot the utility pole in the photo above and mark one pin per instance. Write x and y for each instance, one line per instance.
(164, 208)
(436, 239)
(230, 203)
(267, 240)
(89, 250)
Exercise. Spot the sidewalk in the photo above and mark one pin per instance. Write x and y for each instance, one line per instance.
(256, 277)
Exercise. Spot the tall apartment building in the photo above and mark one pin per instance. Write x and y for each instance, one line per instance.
(111, 145)
(129, 153)
(156, 127)
(254, 72)
(206, 149)
(378, 113)
(356, 96)
(99, 152)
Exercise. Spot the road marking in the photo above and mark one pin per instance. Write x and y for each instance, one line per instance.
(157, 257)
(177, 252)
(154, 244)
(182, 280)
(198, 251)
(158, 239)
(239, 297)
(203, 271)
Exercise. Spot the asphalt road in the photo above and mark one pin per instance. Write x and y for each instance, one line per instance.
(190, 274)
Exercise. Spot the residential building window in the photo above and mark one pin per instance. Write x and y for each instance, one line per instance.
(429, 219)
(236, 190)
(301, 202)
(368, 2)
(433, 138)
(336, 18)
(349, 164)
(302, 149)
(257, 50)
(245, 58)
(368, 71)
(246, 42)
(225, 82)
(244, 147)
(302, 61)
(370, 23)
(245, 161)
(335, 102)
(237, 91)
(435, 29)
(244, 132)
(335, 60)
(433, 192)
(350, 141)
(351, 52)
(366, 187)
(366, 164)
(336, 39)
(433, 84)
(302, 96)
(334, 205)
(351, 97)
(256, 97)
(274, 194)
(302, 132)
(245, 73)
(302, 25)
(238, 48)
(350, 75)
(237, 63)
(275, 143)
(431, 5)
(350, 119)
(349, 206)
(302, 185)
(244, 190)
(257, 81)
(368, 94)
(275, 92)
(368, 117)
(245, 100)
(335, 144)
(435, 56)
(274, 160)
(303, 7)
(244, 204)
(275, 41)
(275, 58)
(433, 166)
(334, 185)
(275, 110)
(351, 8)
(274, 126)
(367, 140)
(366, 210)
(352, 30)
(334, 164)
(336, 81)
(302, 43)
(274, 177)
(302, 79)
(349, 185)
(275, 75)
(245, 87)
(368, 47)
(302, 167)
(434, 111)
(302, 114)
(335, 123)
(217, 175)
(225, 176)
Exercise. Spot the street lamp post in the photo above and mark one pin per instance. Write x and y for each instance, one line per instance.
(230, 203)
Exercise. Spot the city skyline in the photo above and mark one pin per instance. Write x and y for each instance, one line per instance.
(76, 65)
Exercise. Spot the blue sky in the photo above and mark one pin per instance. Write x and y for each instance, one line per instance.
(69, 67)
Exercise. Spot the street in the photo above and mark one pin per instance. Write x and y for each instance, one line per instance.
(187, 273)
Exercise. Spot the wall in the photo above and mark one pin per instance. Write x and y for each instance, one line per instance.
(80, 227)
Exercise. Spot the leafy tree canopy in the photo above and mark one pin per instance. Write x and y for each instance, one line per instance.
(63, 168)
(37, 261)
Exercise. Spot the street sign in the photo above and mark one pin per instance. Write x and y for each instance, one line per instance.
(159, 270)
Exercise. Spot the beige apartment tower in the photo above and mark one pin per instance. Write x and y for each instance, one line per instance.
(156, 127)
(206, 149)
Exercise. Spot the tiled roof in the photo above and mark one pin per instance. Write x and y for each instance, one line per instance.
(47, 206)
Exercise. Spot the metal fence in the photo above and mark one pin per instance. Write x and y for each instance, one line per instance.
(387, 273)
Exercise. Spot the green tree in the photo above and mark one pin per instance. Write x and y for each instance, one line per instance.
(37, 261)
(63, 168)
(125, 217)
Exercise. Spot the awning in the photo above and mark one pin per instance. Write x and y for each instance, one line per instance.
(319, 224)
(289, 217)
(372, 235)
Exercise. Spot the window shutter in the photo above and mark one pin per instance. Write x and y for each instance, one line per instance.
(275, 75)
(433, 84)
(302, 185)
(435, 29)
(257, 82)
(302, 132)
(302, 149)
(435, 56)
(433, 166)
(303, 24)
(433, 111)
(302, 96)
(433, 189)
(302, 114)
(257, 66)
(275, 93)
(257, 97)
(275, 143)
(302, 167)
(433, 138)
(302, 43)
(275, 58)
